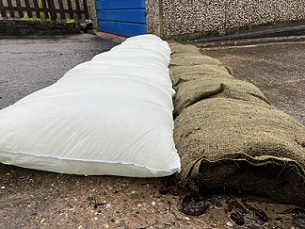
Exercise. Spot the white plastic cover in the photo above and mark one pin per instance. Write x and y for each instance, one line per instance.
(111, 115)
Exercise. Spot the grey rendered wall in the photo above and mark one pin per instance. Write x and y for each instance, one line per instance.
(168, 18)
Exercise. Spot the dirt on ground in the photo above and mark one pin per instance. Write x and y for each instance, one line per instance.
(36, 199)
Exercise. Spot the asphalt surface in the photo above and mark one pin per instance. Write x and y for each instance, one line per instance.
(30, 64)
(277, 68)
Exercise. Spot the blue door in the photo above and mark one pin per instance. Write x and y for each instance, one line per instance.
(122, 17)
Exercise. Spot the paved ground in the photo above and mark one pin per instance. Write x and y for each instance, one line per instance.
(34, 199)
(277, 68)
(27, 65)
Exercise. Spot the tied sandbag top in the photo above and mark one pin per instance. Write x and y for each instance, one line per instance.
(230, 139)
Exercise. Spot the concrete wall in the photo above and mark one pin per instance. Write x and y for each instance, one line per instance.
(219, 17)
(91, 4)
(154, 16)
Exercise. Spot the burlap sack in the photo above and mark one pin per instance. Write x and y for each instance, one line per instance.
(187, 64)
(180, 74)
(182, 48)
(231, 140)
(189, 59)
(190, 92)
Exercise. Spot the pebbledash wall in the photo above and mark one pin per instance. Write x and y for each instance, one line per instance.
(197, 18)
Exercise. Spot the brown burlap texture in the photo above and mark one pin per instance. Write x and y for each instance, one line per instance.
(229, 138)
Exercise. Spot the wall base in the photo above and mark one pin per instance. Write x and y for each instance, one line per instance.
(36, 28)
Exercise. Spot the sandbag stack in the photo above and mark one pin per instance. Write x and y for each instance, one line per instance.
(230, 139)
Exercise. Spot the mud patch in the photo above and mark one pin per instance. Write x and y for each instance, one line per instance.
(243, 212)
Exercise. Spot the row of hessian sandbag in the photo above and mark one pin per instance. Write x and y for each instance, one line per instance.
(229, 138)
(111, 115)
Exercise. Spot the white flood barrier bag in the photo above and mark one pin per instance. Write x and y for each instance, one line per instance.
(108, 116)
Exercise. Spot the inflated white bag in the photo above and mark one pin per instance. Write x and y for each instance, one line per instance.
(111, 115)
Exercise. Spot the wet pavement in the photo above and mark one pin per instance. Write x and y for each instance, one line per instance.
(277, 68)
(27, 65)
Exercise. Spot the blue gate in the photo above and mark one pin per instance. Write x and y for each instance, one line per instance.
(122, 17)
